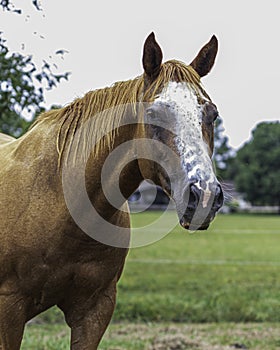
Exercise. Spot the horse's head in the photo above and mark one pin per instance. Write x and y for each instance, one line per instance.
(179, 118)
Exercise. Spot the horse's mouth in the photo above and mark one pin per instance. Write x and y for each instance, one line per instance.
(187, 225)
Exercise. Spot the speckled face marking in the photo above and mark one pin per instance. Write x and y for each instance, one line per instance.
(182, 100)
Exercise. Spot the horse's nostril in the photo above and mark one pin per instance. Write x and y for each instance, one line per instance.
(194, 197)
(219, 197)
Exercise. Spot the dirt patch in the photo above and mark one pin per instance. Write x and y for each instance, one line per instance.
(173, 342)
(182, 342)
(223, 336)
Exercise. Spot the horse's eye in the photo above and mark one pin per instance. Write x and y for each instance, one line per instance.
(215, 115)
(210, 114)
(150, 112)
(153, 113)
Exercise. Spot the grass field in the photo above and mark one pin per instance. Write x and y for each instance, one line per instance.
(230, 273)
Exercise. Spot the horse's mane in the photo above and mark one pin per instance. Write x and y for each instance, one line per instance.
(106, 105)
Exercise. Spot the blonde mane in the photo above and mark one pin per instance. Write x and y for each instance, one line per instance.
(107, 107)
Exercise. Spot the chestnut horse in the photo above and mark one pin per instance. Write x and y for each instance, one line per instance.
(50, 254)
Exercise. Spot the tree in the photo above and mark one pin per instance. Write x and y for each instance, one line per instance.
(22, 84)
(223, 153)
(21, 89)
(258, 165)
(18, 93)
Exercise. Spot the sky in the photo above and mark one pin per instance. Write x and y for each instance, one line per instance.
(105, 39)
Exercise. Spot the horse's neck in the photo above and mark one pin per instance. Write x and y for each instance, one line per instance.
(37, 148)
(115, 172)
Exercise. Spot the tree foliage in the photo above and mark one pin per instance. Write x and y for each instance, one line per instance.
(258, 165)
(22, 84)
(22, 89)
(223, 153)
(18, 93)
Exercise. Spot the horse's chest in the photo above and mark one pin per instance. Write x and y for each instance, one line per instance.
(91, 275)
(94, 275)
(68, 281)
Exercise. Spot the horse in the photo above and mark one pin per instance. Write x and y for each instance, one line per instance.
(54, 248)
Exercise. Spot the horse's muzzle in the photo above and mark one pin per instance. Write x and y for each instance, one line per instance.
(201, 207)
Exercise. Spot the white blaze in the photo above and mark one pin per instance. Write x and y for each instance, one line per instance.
(182, 100)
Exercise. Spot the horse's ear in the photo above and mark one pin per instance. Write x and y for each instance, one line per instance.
(205, 59)
(152, 57)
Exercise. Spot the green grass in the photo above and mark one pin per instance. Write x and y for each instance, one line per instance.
(46, 337)
(229, 273)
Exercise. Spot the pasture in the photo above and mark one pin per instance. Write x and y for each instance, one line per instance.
(219, 287)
